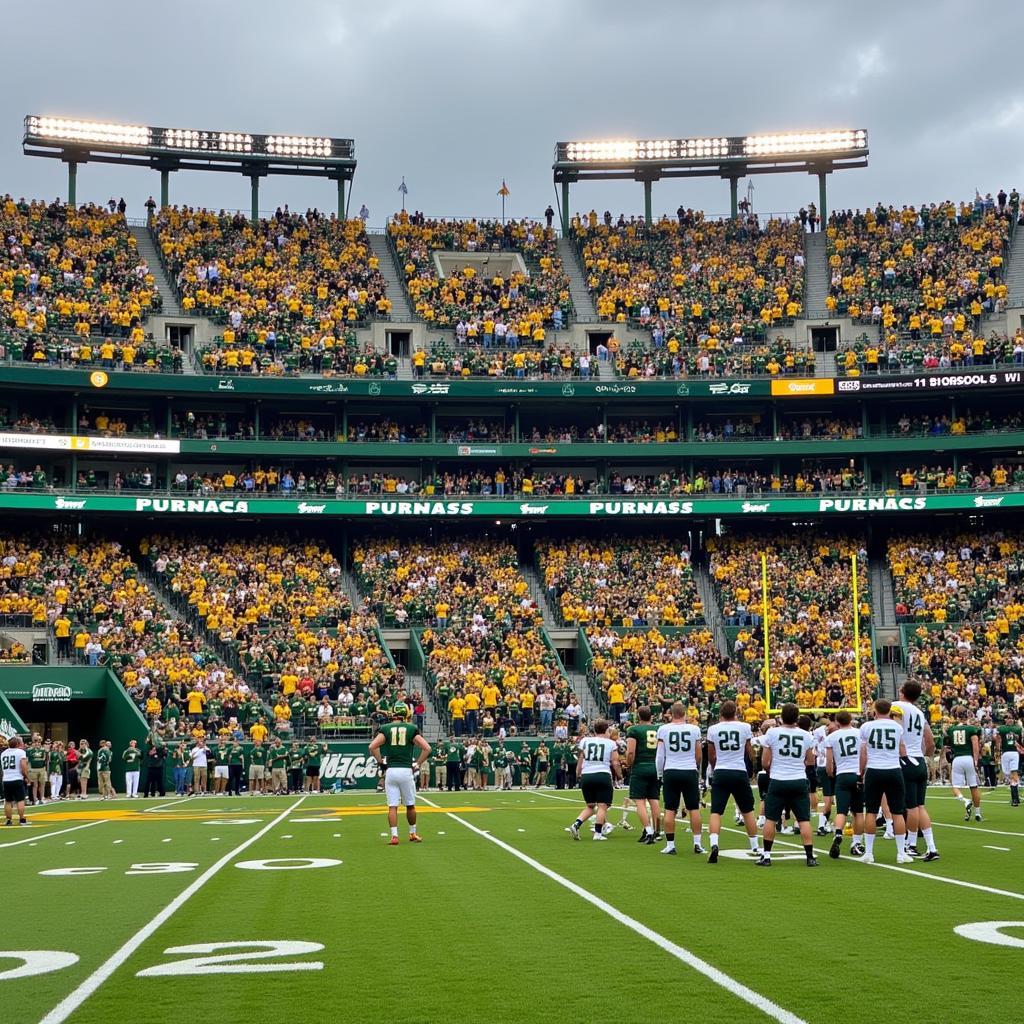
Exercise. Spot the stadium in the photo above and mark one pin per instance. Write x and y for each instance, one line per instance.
(376, 591)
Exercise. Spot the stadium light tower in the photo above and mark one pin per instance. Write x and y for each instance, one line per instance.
(730, 157)
(189, 149)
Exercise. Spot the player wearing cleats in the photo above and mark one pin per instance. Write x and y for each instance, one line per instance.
(730, 750)
(964, 743)
(788, 753)
(1010, 744)
(14, 767)
(395, 744)
(881, 750)
(676, 759)
(644, 785)
(597, 767)
(842, 763)
(920, 744)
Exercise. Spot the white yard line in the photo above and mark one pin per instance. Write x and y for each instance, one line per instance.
(978, 828)
(67, 1006)
(38, 836)
(720, 978)
(1001, 849)
(172, 803)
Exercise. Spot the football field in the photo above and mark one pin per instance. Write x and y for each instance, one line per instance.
(239, 910)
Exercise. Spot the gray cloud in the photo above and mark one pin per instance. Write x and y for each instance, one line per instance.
(457, 95)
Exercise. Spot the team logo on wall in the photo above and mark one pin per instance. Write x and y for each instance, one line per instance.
(98, 378)
(51, 691)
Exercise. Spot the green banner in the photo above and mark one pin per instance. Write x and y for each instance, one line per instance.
(10, 721)
(505, 508)
(375, 387)
(53, 684)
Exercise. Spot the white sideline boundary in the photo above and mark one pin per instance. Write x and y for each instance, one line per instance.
(962, 883)
(39, 836)
(713, 974)
(70, 1003)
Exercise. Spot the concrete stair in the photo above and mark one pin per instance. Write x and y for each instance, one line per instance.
(394, 276)
(582, 301)
(146, 244)
(816, 276)
(605, 370)
(540, 597)
(1015, 270)
(825, 364)
(712, 613)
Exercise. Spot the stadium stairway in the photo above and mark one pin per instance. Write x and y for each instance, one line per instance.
(588, 701)
(605, 370)
(540, 598)
(1015, 271)
(815, 275)
(825, 364)
(886, 627)
(148, 251)
(712, 613)
(394, 277)
(582, 302)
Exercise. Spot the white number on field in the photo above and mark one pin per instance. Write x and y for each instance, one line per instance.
(992, 933)
(35, 961)
(238, 962)
(287, 864)
(162, 868)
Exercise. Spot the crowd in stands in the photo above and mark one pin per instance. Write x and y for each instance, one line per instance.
(486, 662)
(134, 351)
(325, 355)
(968, 477)
(695, 284)
(810, 590)
(932, 353)
(276, 607)
(71, 269)
(619, 581)
(486, 308)
(90, 597)
(933, 270)
(545, 363)
(769, 358)
(964, 592)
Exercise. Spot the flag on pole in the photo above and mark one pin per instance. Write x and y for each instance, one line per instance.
(403, 188)
(503, 191)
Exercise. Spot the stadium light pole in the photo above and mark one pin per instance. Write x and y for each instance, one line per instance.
(172, 149)
(730, 157)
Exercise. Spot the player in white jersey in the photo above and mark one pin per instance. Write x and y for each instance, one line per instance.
(822, 776)
(676, 759)
(761, 775)
(920, 744)
(596, 769)
(842, 762)
(730, 755)
(788, 753)
(14, 765)
(881, 751)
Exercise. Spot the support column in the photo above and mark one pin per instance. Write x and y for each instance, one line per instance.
(72, 183)
(341, 197)
(254, 182)
(822, 202)
(256, 418)
(433, 424)
(565, 209)
(647, 203)
(165, 188)
(516, 435)
(344, 423)
(169, 419)
(734, 198)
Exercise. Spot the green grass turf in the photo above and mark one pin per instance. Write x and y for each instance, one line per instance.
(458, 929)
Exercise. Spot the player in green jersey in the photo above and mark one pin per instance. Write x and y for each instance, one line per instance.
(1010, 742)
(394, 749)
(964, 743)
(644, 787)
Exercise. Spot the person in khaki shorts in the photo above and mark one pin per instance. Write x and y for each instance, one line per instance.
(258, 768)
(440, 760)
(278, 758)
(200, 766)
(104, 757)
(38, 755)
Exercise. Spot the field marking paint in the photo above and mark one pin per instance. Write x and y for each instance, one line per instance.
(991, 932)
(173, 803)
(1001, 849)
(47, 835)
(906, 871)
(720, 978)
(976, 828)
(70, 1003)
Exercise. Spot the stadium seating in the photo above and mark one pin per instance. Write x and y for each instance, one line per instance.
(484, 309)
(811, 611)
(72, 271)
(705, 289)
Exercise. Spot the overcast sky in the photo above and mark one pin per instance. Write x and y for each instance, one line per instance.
(458, 94)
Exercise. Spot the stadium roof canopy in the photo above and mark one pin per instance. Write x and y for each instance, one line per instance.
(189, 149)
(730, 157)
